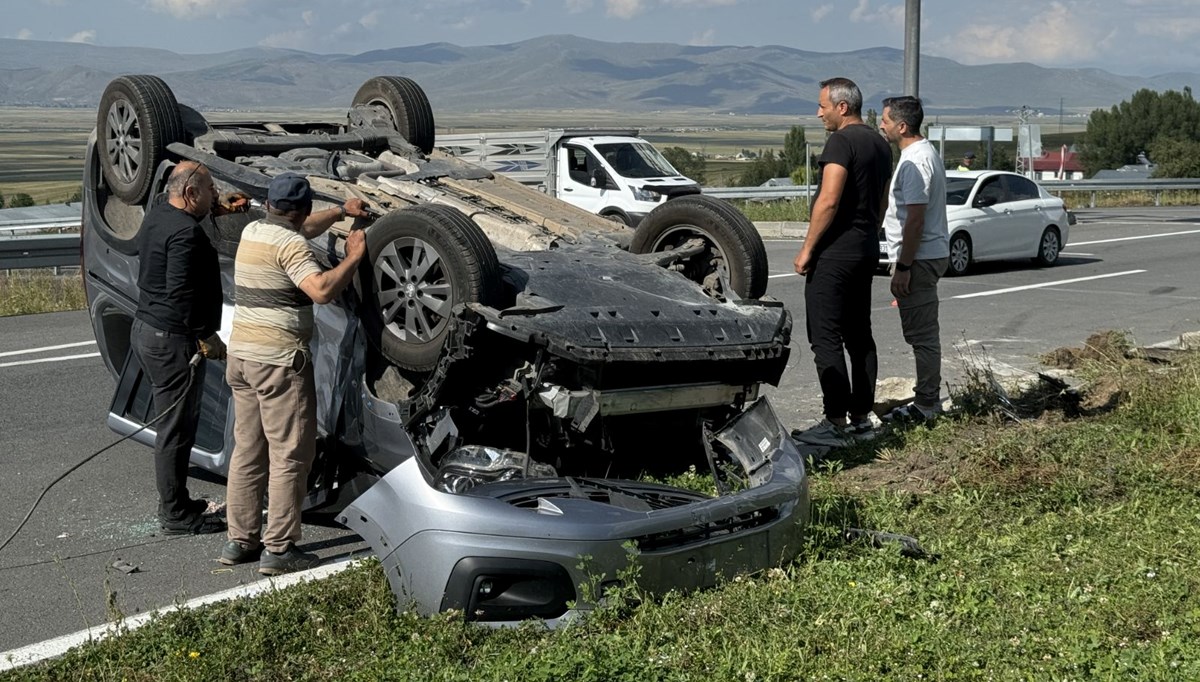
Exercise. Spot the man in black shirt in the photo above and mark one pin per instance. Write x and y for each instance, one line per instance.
(838, 261)
(179, 312)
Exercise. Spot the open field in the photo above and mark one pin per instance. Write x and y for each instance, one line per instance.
(41, 150)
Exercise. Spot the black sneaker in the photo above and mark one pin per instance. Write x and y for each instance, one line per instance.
(289, 561)
(912, 414)
(200, 524)
(235, 552)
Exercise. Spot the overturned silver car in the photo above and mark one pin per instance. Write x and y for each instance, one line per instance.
(509, 377)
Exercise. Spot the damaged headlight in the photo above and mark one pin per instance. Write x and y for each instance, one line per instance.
(470, 465)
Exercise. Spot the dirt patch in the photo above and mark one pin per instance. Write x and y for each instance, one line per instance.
(915, 473)
(1110, 346)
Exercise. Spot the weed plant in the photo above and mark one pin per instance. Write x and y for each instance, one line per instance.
(1066, 548)
(24, 292)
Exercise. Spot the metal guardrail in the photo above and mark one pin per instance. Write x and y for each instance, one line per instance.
(39, 251)
(1054, 186)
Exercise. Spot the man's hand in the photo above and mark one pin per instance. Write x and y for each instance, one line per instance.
(900, 283)
(213, 348)
(356, 208)
(803, 262)
(356, 245)
(233, 202)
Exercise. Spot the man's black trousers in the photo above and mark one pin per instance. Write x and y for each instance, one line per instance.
(837, 310)
(164, 357)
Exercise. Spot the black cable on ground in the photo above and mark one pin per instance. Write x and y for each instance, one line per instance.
(193, 363)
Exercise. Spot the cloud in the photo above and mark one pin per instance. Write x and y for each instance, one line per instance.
(1178, 29)
(463, 24)
(888, 14)
(1059, 34)
(705, 38)
(195, 9)
(821, 12)
(701, 3)
(86, 36)
(577, 6)
(370, 19)
(624, 9)
(307, 16)
(24, 34)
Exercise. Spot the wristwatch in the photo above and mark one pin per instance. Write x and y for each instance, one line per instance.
(342, 211)
(901, 267)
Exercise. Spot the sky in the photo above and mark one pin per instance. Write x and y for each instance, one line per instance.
(1133, 37)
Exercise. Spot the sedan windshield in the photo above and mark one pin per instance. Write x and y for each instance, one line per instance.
(636, 160)
(957, 190)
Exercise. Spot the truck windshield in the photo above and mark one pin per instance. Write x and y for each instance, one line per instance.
(636, 160)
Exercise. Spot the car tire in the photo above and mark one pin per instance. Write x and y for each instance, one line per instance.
(617, 216)
(138, 117)
(408, 298)
(1049, 247)
(411, 114)
(732, 239)
(960, 255)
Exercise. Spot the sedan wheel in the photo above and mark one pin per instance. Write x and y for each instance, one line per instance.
(960, 255)
(1049, 248)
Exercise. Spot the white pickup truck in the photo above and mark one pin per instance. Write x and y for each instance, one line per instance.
(613, 173)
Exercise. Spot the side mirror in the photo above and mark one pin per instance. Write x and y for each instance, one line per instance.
(984, 202)
(599, 178)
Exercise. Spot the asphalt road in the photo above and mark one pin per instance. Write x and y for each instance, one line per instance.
(56, 576)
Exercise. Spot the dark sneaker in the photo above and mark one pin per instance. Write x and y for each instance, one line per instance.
(200, 524)
(912, 414)
(860, 429)
(288, 562)
(824, 433)
(235, 552)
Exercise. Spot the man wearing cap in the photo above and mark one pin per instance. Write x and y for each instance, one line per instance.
(277, 280)
(178, 314)
(967, 160)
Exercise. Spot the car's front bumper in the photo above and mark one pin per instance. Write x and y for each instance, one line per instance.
(505, 552)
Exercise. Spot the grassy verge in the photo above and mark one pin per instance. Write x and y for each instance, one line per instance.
(1066, 549)
(40, 291)
(782, 210)
(1130, 198)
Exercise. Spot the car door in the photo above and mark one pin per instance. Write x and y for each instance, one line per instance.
(575, 171)
(987, 221)
(1028, 216)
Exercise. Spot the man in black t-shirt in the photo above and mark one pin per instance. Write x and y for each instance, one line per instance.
(178, 314)
(838, 261)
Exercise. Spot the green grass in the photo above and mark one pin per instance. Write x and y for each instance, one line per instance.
(24, 292)
(1066, 550)
(773, 211)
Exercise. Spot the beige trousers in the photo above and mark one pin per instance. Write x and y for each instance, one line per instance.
(275, 429)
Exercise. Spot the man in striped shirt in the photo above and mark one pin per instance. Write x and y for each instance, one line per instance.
(277, 279)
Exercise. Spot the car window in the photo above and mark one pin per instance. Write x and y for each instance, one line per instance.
(636, 160)
(991, 189)
(580, 164)
(1021, 189)
(957, 190)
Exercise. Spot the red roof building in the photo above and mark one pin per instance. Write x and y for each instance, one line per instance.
(1060, 164)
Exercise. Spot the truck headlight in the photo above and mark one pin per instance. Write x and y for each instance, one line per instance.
(646, 194)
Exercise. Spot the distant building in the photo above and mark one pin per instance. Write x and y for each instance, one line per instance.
(1142, 170)
(778, 182)
(1058, 165)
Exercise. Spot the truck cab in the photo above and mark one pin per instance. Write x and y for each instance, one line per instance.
(612, 173)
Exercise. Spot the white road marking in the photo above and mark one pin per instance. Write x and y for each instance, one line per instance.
(57, 359)
(30, 351)
(1064, 253)
(1047, 284)
(58, 646)
(786, 274)
(1140, 236)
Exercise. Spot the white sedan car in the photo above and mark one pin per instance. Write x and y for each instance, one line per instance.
(997, 215)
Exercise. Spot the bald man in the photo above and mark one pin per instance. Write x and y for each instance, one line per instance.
(178, 315)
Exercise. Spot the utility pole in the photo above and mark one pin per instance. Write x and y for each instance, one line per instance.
(912, 47)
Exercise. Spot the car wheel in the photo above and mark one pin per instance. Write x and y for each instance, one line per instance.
(407, 104)
(960, 254)
(734, 253)
(424, 261)
(1049, 248)
(137, 119)
(616, 217)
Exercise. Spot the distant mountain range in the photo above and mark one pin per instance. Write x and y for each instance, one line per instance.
(557, 72)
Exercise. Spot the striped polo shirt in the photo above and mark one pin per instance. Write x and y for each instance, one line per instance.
(272, 317)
